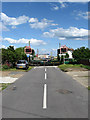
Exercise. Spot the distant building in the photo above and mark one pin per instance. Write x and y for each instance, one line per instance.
(43, 56)
(63, 50)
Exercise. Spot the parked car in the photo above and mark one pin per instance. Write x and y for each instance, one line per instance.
(22, 64)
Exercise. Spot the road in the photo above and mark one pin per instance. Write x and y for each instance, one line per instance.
(45, 92)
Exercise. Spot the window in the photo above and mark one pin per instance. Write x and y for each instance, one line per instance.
(63, 50)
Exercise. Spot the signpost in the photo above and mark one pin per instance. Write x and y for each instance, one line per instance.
(28, 56)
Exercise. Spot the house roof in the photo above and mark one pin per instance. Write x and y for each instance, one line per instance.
(64, 46)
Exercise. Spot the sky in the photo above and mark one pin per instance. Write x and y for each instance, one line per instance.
(45, 25)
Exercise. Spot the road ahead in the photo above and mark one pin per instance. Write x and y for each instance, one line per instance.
(45, 92)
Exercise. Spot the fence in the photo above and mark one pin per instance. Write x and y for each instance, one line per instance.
(84, 61)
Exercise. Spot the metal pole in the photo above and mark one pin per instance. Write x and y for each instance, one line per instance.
(59, 45)
(29, 43)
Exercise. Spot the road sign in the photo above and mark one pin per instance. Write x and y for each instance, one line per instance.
(27, 50)
(27, 55)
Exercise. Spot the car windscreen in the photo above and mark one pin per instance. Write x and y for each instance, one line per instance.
(21, 62)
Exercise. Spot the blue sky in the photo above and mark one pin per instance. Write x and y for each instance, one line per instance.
(45, 24)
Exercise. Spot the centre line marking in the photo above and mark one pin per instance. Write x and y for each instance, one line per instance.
(45, 76)
(45, 97)
(45, 69)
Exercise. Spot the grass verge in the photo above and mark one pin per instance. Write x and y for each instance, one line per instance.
(64, 67)
(14, 69)
(4, 85)
(88, 87)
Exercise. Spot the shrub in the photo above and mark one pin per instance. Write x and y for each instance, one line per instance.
(5, 67)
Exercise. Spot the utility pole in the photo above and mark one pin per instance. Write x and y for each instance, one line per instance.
(29, 43)
(37, 51)
(59, 45)
(51, 53)
(29, 58)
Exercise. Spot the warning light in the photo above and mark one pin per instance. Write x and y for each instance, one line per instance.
(28, 50)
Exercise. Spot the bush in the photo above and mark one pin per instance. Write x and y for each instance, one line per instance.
(5, 67)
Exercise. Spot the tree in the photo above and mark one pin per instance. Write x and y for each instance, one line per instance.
(62, 59)
(81, 53)
(67, 55)
(58, 57)
(8, 55)
(20, 55)
(11, 48)
(11, 56)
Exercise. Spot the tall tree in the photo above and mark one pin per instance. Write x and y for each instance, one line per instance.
(81, 53)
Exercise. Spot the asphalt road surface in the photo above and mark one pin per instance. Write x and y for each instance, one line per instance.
(45, 92)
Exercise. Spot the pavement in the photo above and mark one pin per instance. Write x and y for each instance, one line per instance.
(7, 79)
(83, 77)
(45, 92)
(10, 77)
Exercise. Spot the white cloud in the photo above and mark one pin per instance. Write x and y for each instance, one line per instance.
(83, 15)
(62, 38)
(1, 38)
(23, 40)
(45, 0)
(57, 7)
(63, 4)
(13, 27)
(73, 0)
(33, 20)
(71, 33)
(3, 46)
(34, 23)
(54, 7)
(3, 27)
(12, 20)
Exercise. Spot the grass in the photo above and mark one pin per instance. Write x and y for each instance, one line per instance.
(88, 87)
(64, 67)
(14, 69)
(4, 85)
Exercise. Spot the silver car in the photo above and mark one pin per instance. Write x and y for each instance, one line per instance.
(22, 64)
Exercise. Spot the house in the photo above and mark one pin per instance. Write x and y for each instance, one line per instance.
(63, 50)
(43, 56)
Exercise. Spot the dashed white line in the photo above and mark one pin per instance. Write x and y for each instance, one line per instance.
(45, 69)
(45, 97)
(45, 76)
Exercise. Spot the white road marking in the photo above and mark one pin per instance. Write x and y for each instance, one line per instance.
(75, 75)
(45, 76)
(45, 97)
(45, 69)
